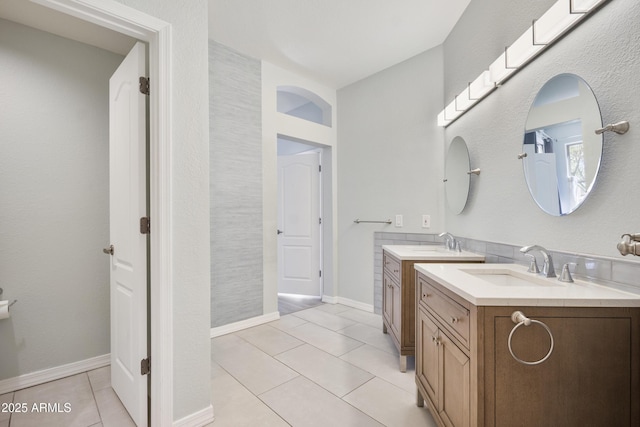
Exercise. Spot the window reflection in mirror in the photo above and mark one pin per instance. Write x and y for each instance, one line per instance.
(563, 151)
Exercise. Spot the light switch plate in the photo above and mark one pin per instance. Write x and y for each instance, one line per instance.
(398, 220)
(426, 221)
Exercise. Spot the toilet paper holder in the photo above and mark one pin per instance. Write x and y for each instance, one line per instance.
(12, 302)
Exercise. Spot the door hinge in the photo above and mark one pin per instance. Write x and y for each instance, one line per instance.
(319, 168)
(319, 273)
(145, 366)
(145, 225)
(320, 221)
(144, 85)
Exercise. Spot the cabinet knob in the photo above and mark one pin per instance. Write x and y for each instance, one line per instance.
(454, 320)
(395, 271)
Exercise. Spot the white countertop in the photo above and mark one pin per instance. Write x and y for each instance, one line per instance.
(510, 285)
(429, 253)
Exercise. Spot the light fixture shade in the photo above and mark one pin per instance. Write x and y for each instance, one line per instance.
(523, 49)
(584, 6)
(463, 102)
(481, 86)
(451, 112)
(441, 120)
(499, 71)
(556, 21)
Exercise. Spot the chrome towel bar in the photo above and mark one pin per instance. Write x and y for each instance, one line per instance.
(358, 221)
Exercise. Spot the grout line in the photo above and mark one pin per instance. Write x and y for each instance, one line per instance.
(93, 393)
(338, 357)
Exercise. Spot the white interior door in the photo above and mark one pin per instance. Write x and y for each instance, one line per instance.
(545, 182)
(299, 224)
(128, 203)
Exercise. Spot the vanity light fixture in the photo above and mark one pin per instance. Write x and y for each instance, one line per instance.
(543, 32)
(474, 92)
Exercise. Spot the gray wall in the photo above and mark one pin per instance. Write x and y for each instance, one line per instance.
(604, 51)
(54, 196)
(389, 162)
(235, 106)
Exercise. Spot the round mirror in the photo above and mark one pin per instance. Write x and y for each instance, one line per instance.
(456, 172)
(562, 149)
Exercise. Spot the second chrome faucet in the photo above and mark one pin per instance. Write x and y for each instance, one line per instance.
(547, 268)
(450, 242)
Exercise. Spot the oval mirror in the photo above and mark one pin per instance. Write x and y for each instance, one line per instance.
(562, 149)
(456, 181)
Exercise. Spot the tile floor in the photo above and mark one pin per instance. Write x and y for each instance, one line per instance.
(90, 398)
(330, 365)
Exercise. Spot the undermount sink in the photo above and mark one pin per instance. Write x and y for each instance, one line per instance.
(504, 277)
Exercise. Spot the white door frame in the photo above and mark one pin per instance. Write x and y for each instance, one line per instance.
(157, 33)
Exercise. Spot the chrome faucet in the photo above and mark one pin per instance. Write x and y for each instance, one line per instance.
(547, 267)
(450, 242)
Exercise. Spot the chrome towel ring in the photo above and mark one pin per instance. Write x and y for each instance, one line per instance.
(520, 319)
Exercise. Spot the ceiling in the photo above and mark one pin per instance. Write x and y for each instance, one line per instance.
(335, 42)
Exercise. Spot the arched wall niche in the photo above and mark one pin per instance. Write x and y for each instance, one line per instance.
(304, 104)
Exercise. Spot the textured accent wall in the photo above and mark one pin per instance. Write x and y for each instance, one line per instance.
(235, 107)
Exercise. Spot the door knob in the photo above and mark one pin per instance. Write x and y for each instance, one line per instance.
(280, 231)
(109, 250)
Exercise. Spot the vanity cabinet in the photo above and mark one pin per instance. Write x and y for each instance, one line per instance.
(398, 295)
(443, 368)
(468, 377)
(398, 290)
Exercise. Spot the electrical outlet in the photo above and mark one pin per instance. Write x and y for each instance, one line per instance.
(398, 220)
(426, 221)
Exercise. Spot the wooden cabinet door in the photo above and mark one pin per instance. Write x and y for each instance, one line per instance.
(396, 317)
(587, 380)
(454, 381)
(387, 297)
(427, 356)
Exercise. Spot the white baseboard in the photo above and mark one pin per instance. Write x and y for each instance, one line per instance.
(244, 324)
(348, 302)
(329, 299)
(52, 374)
(197, 419)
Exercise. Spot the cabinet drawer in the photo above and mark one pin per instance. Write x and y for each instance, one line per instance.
(453, 316)
(392, 265)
